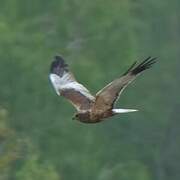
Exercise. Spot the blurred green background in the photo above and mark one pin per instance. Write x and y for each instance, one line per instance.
(99, 40)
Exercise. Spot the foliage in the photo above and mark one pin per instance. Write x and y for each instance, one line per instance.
(99, 40)
(33, 170)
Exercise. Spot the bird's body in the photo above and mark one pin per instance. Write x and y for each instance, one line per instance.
(91, 117)
(93, 109)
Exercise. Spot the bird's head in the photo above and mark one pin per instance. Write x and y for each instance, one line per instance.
(83, 117)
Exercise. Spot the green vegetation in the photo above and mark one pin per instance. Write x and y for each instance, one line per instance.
(99, 39)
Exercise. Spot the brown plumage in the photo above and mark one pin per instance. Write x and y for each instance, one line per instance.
(92, 109)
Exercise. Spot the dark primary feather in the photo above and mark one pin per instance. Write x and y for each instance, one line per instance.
(146, 64)
(131, 67)
(58, 66)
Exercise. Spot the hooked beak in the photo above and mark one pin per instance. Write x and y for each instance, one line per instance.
(74, 118)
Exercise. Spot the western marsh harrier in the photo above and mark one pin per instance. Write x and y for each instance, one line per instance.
(93, 109)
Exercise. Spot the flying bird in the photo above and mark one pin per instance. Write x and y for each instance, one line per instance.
(93, 109)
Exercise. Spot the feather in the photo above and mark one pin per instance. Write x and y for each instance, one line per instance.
(107, 96)
(65, 85)
(117, 111)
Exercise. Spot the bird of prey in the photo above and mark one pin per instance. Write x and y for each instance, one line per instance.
(93, 109)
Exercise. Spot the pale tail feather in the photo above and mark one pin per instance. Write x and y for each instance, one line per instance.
(116, 111)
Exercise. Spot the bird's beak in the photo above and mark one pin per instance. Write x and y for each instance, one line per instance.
(74, 118)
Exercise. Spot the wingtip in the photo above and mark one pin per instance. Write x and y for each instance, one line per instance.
(146, 64)
(58, 57)
(58, 65)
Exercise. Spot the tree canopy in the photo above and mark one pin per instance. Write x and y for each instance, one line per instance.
(99, 40)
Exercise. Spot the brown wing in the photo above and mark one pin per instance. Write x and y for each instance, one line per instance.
(65, 84)
(80, 101)
(106, 97)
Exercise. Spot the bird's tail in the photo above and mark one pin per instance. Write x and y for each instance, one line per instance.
(118, 111)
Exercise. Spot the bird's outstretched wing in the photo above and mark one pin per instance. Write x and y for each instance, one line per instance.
(106, 97)
(66, 85)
